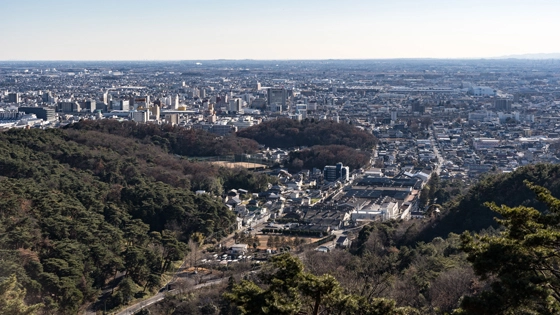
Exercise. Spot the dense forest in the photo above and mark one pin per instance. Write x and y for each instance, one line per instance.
(318, 156)
(288, 133)
(468, 211)
(174, 139)
(79, 207)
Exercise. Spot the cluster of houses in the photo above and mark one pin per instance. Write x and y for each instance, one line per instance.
(319, 207)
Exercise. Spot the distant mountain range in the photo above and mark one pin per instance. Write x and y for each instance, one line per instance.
(532, 56)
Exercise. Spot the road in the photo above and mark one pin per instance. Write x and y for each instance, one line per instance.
(133, 309)
(438, 155)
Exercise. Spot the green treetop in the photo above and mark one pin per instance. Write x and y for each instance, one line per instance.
(287, 289)
(522, 262)
(12, 299)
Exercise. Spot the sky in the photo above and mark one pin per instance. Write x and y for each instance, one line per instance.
(267, 29)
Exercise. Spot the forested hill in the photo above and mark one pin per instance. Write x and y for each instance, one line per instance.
(286, 133)
(176, 140)
(78, 206)
(468, 212)
(319, 156)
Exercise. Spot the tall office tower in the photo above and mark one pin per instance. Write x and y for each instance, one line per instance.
(278, 96)
(393, 115)
(140, 116)
(235, 105)
(167, 100)
(156, 112)
(125, 104)
(14, 98)
(258, 86)
(332, 173)
(47, 97)
(175, 102)
(502, 104)
(90, 106)
(106, 98)
(195, 93)
(120, 105)
(202, 93)
(247, 98)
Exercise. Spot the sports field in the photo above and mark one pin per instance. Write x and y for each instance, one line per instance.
(238, 164)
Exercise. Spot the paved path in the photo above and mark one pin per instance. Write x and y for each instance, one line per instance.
(133, 309)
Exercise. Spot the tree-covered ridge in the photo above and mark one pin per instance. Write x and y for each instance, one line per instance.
(468, 212)
(522, 261)
(77, 207)
(319, 156)
(174, 139)
(287, 133)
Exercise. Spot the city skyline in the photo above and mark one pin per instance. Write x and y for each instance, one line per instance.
(261, 30)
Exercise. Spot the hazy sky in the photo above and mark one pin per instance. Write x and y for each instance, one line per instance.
(266, 29)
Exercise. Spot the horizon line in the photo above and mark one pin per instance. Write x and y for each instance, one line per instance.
(513, 57)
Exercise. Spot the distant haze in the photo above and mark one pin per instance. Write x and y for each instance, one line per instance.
(289, 29)
(532, 56)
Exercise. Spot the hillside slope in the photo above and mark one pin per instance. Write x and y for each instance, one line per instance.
(468, 212)
(78, 206)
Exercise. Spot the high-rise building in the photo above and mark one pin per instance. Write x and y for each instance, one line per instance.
(278, 96)
(140, 116)
(247, 98)
(418, 107)
(120, 105)
(175, 102)
(47, 97)
(502, 104)
(172, 119)
(155, 111)
(337, 172)
(142, 102)
(46, 114)
(69, 107)
(235, 105)
(89, 106)
(14, 98)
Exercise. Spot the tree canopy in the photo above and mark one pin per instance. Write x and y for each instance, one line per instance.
(287, 133)
(174, 139)
(287, 289)
(522, 261)
(319, 156)
(78, 207)
(468, 211)
(12, 298)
